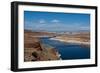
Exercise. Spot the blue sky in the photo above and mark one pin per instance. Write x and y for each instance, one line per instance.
(54, 21)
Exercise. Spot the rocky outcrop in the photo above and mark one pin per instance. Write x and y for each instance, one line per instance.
(36, 51)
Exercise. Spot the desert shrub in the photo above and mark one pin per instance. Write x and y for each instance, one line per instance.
(35, 54)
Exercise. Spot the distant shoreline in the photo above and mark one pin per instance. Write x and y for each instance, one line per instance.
(71, 41)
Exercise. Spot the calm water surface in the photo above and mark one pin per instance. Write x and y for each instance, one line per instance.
(68, 51)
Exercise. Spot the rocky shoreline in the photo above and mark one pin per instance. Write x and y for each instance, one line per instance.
(34, 50)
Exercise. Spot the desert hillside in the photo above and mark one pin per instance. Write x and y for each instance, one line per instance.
(34, 50)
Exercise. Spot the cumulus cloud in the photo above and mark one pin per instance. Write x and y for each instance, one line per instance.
(55, 21)
(47, 26)
(42, 21)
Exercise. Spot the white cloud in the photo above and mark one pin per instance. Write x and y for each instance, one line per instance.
(44, 25)
(55, 21)
(42, 21)
(85, 28)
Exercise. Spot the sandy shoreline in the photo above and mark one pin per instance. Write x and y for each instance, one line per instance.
(71, 41)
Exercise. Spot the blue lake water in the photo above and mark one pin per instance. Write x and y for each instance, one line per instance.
(68, 51)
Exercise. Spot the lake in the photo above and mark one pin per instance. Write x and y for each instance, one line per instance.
(68, 51)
